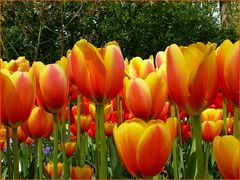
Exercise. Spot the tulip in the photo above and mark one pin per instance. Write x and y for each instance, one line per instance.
(29, 141)
(187, 78)
(53, 77)
(70, 148)
(211, 123)
(49, 169)
(226, 151)
(229, 69)
(139, 68)
(20, 64)
(229, 75)
(98, 73)
(144, 152)
(145, 98)
(84, 172)
(39, 124)
(19, 97)
(108, 127)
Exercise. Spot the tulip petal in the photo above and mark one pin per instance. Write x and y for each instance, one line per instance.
(177, 76)
(114, 64)
(138, 98)
(158, 88)
(156, 141)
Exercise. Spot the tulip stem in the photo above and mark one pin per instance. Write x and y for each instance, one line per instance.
(65, 162)
(40, 158)
(15, 155)
(36, 160)
(119, 109)
(175, 162)
(224, 105)
(55, 145)
(101, 143)
(197, 130)
(207, 151)
(236, 122)
(69, 117)
(8, 154)
(79, 129)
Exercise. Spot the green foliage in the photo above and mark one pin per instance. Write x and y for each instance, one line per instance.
(140, 28)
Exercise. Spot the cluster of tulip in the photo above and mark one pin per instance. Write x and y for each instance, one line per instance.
(101, 113)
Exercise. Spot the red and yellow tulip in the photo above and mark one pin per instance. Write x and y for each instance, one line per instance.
(49, 169)
(98, 73)
(84, 172)
(19, 97)
(153, 138)
(211, 123)
(145, 98)
(38, 124)
(192, 76)
(70, 148)
(226, 151)
(229, 69)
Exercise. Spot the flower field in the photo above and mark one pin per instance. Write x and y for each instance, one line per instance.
(94, 114)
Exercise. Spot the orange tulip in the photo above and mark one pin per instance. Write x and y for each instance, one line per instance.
(38, 124)
(139, 68)
(229, 69)
(19, 97)
(98, 73)
(70, 148)
(49, 168)
(108, 127)
(29, 141)
(4, 79)
(211, 123)
(230, 126)
(53, 86)
(145, 98)
(84, 172)
(20, 64)
(144, 152)
(192, 76)
(226, 151)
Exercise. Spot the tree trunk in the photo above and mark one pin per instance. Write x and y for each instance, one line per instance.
(226, 14)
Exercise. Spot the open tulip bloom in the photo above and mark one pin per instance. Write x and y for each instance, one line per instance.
(94, 115)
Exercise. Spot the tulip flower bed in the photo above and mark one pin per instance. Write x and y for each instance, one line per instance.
(93, 114)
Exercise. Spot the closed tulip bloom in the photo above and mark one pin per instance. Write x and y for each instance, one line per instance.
(38, 124)
(145, 98)
(98, 73)
(84, 172)
(49, 169)
(144, 152)
(230, 126)
(20, 64)
(70, 148)
(192, 76)
(53, 84)
(226, 151)
(19, 97)
(211, 123)
(229, 69)
(139, 68)
(108, 127)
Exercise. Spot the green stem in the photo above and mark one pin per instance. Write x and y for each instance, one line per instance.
(55, 145)
(197, 130)
(224, 105)
(36, 160)
(101, 143)
(79, 129)
(40, 158)
(9, 160)
(68, 122)
(207, 151)
(24, 160)
(236, 122)
(65, 161)
(15, 155)
(175, 162)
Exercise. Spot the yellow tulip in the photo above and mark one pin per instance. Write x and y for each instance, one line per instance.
(144, 147)
(226, 151)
